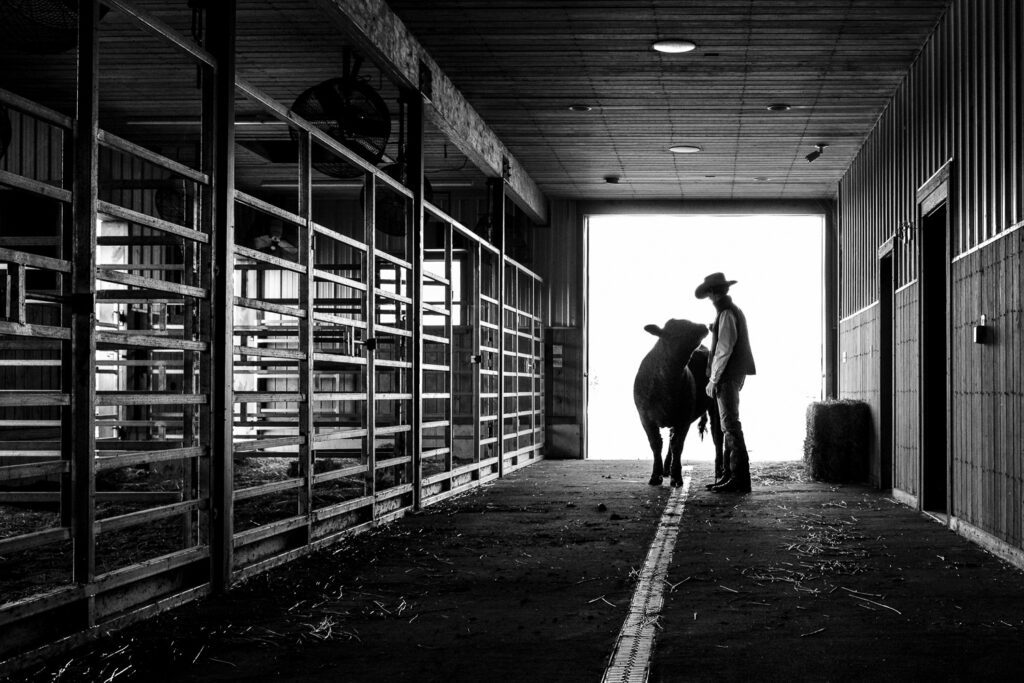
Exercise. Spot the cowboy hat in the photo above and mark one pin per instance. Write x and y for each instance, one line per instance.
(711, 282)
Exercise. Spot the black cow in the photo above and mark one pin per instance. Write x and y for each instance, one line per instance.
(669, 391)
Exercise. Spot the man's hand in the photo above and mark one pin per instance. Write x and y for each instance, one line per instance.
(711, 389)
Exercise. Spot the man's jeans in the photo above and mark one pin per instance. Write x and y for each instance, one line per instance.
(728, 396)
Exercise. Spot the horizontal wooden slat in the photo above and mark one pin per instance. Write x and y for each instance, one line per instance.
(255, 255)
(34, 186)
(119, 143)
(34, 260)
(151, 222)
(155, 284)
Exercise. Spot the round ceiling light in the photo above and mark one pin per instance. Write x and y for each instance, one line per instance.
(580, 107)
(685, 149)
(674, 46)
(778, 106)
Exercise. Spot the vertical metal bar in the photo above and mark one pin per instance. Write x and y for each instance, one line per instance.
(67, 369)
(83, 331)
(191, 366)
(497, 202)
(221, 132)
(370, 317)
(449, 356)
(414, 152)
(477, 342)
(307, 429)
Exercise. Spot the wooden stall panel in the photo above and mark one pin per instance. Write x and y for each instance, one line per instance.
(440, 275)
(906, 391)
(858, 369)
(342, 493)
(393, 350)
(523, 351)
(268, 468)
(465, 291)
(153, 287)
(490, 340)
(35, 269)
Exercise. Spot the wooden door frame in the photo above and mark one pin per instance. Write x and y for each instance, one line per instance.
(934, 193)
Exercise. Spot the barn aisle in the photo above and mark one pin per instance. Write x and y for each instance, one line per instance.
(806, 581)
(531, 578)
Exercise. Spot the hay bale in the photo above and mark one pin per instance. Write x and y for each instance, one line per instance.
(837, 444)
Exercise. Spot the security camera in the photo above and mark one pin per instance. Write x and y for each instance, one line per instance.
(818, 149)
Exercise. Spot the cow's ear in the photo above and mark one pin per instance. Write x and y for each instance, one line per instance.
(653, 329)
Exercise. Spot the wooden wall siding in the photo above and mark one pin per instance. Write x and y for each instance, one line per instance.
(988, 385)
(906, 452)
(858, 371)
(962, 99)
(36, 150)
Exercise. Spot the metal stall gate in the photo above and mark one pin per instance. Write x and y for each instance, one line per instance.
(356, 354)
(523, 350)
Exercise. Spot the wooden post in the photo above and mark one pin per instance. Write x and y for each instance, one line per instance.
(218, 127)
(83, 331)
(414, 151)
(497, 203)
(307, 291)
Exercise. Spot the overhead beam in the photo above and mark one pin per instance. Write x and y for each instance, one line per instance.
(381, 35)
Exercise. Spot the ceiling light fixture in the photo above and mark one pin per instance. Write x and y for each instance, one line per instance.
(778, 106)
(818, 149)
(685, 149)
(580, 107)
(673, 46)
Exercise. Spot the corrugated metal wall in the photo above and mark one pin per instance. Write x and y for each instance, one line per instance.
(963, 100)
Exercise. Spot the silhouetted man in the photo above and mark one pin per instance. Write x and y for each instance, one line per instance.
(731, 362)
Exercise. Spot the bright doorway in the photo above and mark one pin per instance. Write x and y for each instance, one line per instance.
(643, 269)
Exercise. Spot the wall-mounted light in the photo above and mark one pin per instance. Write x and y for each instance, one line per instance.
(981, 331)
(674, 46)
(905, 231)
(818, 149)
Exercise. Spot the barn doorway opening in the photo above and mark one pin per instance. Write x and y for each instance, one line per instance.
(934, 370)
(644, 269)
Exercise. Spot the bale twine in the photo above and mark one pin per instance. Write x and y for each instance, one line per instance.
(836, 446)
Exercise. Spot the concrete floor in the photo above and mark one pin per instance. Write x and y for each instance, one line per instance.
(530, 579)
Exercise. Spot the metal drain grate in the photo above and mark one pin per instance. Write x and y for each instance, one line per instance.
(630, 661)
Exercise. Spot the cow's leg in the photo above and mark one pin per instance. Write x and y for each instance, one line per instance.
(674, 462)
(654, 439)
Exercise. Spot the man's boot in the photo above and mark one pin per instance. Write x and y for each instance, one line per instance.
(738, 478)
(721, 469)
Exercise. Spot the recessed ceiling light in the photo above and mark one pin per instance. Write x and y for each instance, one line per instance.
(778, 106)
(674, 46)
(580, 107)
(685, 149)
